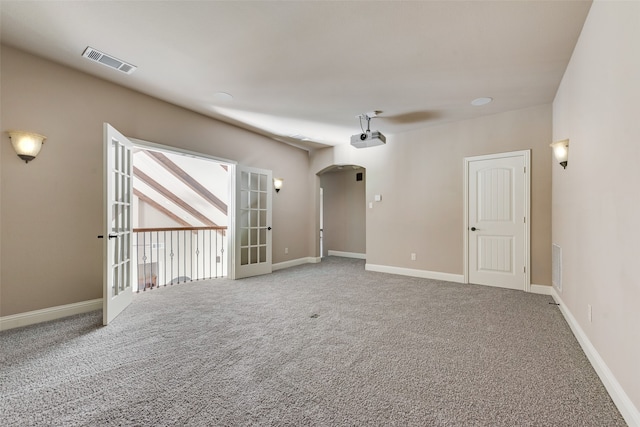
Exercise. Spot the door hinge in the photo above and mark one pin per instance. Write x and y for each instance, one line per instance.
(524, 169)
(524, 219)
(524, 269)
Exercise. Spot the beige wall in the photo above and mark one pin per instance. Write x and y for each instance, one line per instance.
(344, 211)
(51, 208)
(596, 200)
(419, 175)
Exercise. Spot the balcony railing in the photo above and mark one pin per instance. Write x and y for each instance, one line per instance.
(167, 256)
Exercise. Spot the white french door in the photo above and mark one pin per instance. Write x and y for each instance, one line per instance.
(252, 232)
(117, 294)
(497, 220)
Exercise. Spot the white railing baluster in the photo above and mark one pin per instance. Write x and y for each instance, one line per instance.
(183, 260)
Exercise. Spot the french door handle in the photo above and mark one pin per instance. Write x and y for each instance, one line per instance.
(112, 236)
(269, 228)
(473, 229)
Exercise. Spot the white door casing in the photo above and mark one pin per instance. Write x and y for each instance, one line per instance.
(117, 277)
(252, 222)
(496, 220)
(321, 221)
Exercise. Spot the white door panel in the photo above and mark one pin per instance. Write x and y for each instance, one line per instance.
(252, 225)
(497, 227)
(117, 293)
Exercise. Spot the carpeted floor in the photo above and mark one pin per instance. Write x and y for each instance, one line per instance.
(326, 344)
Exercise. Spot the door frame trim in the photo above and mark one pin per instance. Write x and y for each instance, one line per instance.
(177, 150)
(526, 154)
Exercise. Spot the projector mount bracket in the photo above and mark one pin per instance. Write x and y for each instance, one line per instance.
(368, 116)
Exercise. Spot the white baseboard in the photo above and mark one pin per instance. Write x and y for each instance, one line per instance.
(435, 275)
(347, 254)
(46, 314)
(295, 262)
(629, 412)
(541, 289)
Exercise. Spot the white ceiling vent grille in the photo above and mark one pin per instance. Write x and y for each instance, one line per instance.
(108, 60)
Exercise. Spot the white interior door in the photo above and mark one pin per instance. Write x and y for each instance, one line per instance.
(252, 237)
(497, 231)
(117, 293)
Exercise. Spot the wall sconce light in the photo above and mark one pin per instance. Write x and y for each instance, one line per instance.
(26, 144)
(277, 184)
(561, 151)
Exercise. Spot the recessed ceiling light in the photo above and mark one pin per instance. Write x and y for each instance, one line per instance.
(222, 97)
(481, 101)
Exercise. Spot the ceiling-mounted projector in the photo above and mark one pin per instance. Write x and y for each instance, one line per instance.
(368, 138)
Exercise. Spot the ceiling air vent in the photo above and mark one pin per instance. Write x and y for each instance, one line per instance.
(108, 60)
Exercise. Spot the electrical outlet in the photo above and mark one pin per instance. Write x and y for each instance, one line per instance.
(286, 251)
(589, 312)
(413, 257)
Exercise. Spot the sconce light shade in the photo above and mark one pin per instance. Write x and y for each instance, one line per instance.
(26, 144)
(561, 152)
(277, 184)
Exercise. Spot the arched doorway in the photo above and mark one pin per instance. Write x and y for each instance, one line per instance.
(343, 211)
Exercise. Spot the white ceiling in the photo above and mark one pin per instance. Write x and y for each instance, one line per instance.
(300, 71)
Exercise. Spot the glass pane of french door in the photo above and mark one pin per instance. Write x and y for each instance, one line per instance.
(117, 293)
(253, 221)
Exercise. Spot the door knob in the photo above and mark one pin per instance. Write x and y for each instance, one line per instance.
(268, 228)
(473, 229)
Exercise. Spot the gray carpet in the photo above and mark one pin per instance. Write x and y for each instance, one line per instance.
(326, 344)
